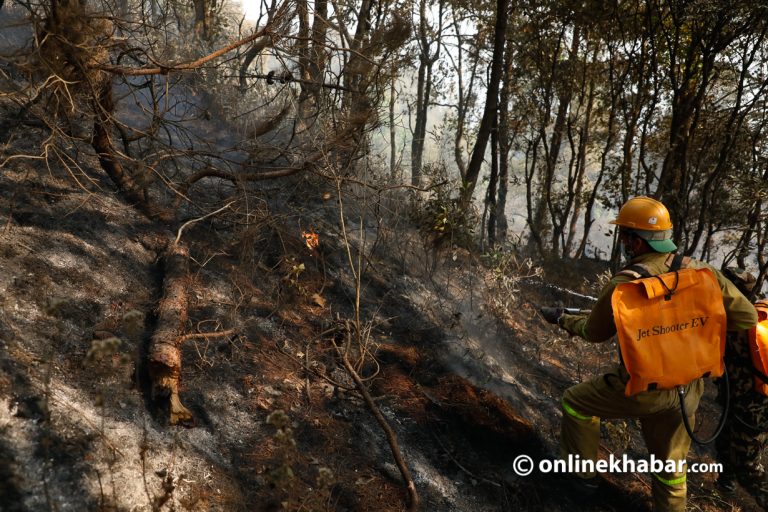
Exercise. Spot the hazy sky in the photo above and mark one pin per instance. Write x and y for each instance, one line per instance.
(250, 9)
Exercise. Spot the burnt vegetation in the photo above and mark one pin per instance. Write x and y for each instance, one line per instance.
(293, 262)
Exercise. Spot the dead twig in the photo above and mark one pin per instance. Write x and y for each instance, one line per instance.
(309, 368)
(347, 179)
(164, 69)
(413, 497)
(192, 221)
(197, 335)
(307, 372)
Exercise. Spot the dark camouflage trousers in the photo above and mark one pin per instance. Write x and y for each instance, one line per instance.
(741, 444)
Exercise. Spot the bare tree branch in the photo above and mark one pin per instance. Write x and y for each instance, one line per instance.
(165, 69)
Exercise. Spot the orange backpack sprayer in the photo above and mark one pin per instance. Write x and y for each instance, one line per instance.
(758, 348)
(671, 329)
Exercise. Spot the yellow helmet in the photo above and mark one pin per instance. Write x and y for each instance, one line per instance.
(643, 213)
(649, 219)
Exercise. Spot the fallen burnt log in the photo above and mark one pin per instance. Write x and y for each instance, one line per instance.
(164, 354)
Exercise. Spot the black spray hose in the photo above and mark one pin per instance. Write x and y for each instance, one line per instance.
(681, 394)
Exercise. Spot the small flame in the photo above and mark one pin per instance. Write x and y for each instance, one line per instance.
(311, 239)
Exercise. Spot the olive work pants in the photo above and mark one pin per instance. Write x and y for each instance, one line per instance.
(660, 418)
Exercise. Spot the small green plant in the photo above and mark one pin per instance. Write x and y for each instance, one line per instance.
(506, 269)
(447, 222)
(292, 273)
(440, 214)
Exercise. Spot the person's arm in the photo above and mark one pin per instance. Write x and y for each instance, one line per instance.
(598, 326)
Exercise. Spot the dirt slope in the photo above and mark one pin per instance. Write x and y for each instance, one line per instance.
(464, 370)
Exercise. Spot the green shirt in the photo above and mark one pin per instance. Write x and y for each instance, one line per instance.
(599, 326)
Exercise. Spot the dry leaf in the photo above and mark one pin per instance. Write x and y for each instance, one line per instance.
(318, 300)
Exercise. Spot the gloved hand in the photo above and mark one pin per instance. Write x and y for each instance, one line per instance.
(552, 315)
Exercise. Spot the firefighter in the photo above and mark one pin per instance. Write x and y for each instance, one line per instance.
(645, 234)
(743, 439)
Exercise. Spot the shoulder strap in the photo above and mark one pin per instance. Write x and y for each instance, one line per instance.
(636, 271)
(677, 261)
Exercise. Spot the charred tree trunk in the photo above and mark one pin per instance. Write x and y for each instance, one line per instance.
(318, 58)
(393, 173)
(302, 47)
(203, 19)
(552, 153)
(531, 159)
(165, 346)
(464, 97)
(490, 198)
(610, 137)
(423, 92)
(491, 105)
(576, 192)
(505, 136)
(110, 161)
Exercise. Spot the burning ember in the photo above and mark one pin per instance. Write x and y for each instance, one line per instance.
(311, 239)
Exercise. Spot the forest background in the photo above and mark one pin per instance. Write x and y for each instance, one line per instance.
(558, 111)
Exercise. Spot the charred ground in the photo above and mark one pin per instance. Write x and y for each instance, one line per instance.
(456, 359)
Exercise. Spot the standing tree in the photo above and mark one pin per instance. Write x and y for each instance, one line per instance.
(491, 105)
